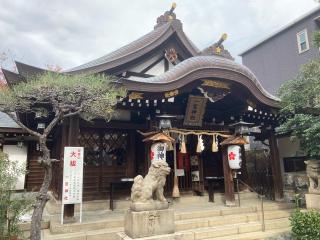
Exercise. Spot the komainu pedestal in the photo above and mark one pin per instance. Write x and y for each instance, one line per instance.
(149, 223)
(149, 212)
(313, 172)
(312, 201)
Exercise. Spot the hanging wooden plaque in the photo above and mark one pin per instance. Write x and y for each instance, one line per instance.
(195, 110)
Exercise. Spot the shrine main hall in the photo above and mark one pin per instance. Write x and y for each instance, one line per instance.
(199, 98)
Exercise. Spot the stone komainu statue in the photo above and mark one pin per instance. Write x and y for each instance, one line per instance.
(313, 173)
(150, 188)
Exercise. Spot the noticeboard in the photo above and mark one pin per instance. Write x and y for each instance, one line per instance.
(72, 175)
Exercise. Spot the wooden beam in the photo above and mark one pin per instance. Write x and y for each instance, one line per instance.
(135, 74)
(114, 125)
(166, 65)
(12, 130)
(228, 179)
(276, 168)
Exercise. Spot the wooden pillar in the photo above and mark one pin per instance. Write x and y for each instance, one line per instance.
(228, 178)
(131, 155)
(244, 171)
(72, 141)
(147, 160)
(275, 166)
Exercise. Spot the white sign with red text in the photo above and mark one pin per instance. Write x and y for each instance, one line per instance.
(72, 175)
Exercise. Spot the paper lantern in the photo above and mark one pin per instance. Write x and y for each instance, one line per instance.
(158, 151)
(234, 156)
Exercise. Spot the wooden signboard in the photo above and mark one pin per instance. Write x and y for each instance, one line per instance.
(195, 110)
(72, 178)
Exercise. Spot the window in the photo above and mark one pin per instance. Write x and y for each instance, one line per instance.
(302, 39)
(104, 147)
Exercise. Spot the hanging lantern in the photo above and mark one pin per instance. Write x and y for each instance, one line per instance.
(200, 146)
(183, 148)
(234, 156)
(215, 143)
(158, 151)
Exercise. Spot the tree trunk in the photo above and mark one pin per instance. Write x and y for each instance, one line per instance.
(42, 196)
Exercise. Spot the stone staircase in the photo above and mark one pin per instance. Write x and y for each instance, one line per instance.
(192, 222)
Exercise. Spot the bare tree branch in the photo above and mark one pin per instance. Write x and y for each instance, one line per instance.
(53, 123)
(73, 113)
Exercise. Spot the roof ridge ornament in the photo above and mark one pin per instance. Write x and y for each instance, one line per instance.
(168, 16)
(218, 48)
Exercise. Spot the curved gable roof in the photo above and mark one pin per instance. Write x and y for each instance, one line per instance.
(199, 67)
(138, 48)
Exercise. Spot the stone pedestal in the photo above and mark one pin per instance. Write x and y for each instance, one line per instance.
(154, 205)
(148, 223)
(313, 201)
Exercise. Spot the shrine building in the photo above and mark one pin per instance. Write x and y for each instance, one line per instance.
(197, 97)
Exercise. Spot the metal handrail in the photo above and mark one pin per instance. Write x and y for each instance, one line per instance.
(262, 209)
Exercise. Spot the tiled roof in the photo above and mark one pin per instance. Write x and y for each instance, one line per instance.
(138, 48)
(7, 122)
(205, 62)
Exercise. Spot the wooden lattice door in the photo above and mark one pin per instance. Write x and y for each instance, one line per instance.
(105, 159)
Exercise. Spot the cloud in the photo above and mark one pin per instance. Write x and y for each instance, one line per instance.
(68, 33)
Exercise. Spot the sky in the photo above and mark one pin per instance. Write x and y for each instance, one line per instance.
(67, 33)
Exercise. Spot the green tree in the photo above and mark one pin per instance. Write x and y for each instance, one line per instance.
(11, 206)
(59, 96)
(300, 100)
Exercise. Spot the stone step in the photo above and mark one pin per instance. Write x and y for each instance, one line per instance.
(101, 234)
(189, 224)
(46, 235)
(268, 206)
(112, 221)
(225, 230)
(54, 206)
(256, 235)
(277, 223)
(215, 211)
(201, 228)
(238, 228)
(57, 228)
(184, 220)
(204, 213)
(274, 214)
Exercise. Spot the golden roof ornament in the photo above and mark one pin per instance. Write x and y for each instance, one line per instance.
(218, 48)
(224, 36)
(168, 16)
(135, 95)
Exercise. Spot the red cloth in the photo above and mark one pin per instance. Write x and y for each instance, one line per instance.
(183, 161)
